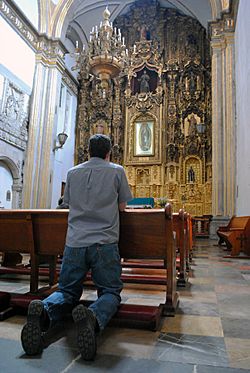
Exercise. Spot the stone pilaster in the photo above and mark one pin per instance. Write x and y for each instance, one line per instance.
(230, 130)
(217, 130)
(223, 121)
(43, 120)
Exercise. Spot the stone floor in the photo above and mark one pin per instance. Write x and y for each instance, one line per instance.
(210, 332)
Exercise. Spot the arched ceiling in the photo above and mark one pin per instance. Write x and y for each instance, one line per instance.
(81, 15)
(73, 19)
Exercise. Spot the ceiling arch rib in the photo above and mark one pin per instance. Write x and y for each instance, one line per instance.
(61, 18)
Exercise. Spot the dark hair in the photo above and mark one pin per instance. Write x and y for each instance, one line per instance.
(99, 146)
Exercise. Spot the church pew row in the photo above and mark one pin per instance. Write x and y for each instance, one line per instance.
(145, 234)
(132, 269)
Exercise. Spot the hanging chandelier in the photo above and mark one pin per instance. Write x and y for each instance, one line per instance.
(106, 54)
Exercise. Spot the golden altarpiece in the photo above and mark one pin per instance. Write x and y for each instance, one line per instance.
(158, 110)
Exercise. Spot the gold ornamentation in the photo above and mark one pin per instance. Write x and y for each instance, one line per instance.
(165, 85)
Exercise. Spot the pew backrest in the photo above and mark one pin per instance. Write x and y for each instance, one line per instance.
(16, 231)
(50, 228)
(145, 234)
(238, 222)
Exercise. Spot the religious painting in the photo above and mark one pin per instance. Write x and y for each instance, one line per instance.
(144, 138)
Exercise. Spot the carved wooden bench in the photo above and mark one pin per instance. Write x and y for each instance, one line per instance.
(236, 235)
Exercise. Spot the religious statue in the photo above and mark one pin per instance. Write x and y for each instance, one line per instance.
(143, 32)
(144, 82)
(192, 84)
(191, 175)
(145, 137)
(192, 126)
(99, 128)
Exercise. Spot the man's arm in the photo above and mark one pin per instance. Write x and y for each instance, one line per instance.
(66, 192)
(124, 191)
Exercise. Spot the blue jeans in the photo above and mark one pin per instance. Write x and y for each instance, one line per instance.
(104, 262)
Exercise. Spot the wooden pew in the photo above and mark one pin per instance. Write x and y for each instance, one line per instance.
(16, 236)
(36, 232)
(148, 234)
(188, 238)
(138, 268)
(50, 228)
(236, 235)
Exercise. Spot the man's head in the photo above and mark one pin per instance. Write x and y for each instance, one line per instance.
(99, 146)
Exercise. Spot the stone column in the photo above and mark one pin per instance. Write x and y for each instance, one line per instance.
(223, 123)
(42, 126)
(17, 195)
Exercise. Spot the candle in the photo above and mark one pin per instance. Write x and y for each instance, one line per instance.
(77, 44)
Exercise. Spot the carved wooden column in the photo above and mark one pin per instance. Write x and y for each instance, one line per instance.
(223, 122)
(39, 164)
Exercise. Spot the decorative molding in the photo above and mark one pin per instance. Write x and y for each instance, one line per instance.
(70, 82)
(50, 52)
(19, 22)
(14, 115)
(40, 43)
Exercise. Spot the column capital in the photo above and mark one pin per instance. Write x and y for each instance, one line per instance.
(17, 187)
(51, 52)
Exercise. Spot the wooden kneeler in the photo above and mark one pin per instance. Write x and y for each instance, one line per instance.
(128, 315)
(5, 308)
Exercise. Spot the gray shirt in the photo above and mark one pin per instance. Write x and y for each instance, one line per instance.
(93, 192)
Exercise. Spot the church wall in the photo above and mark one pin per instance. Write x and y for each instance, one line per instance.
(30, 9)
(242, 62)
(17, 64)
(64, 158)
(16, 55)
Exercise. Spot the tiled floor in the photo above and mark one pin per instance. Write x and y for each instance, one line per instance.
(210, 332)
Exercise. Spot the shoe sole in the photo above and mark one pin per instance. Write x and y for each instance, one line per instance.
(31, 335)
(86, 339)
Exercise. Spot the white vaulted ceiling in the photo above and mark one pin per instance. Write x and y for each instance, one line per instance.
(73, 19)
(82, 15)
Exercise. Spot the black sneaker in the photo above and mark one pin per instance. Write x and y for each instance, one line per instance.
(31, 335)
(86, 338)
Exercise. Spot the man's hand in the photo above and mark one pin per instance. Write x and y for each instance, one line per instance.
(122, 206)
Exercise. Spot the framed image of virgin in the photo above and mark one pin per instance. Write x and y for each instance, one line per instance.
(144, 138)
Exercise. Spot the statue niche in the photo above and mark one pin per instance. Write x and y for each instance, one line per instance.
(190, 125)
(144, 82)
